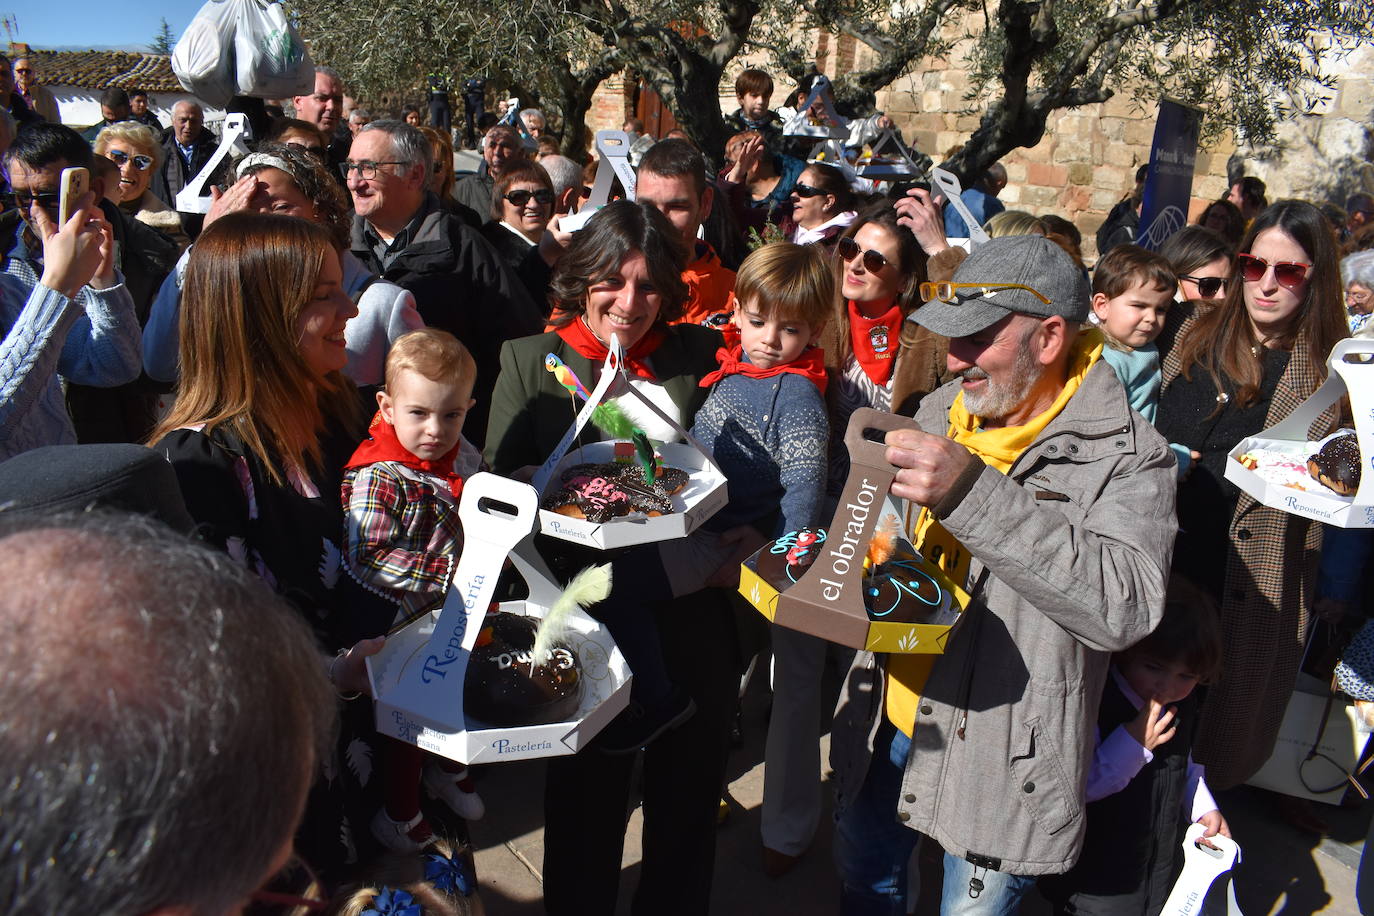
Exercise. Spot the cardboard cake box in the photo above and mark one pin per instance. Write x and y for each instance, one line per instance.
(828, 600)
(704, 494)
(1350, 371)
(418, 677)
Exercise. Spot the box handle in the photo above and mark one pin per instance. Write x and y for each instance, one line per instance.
(863, 450)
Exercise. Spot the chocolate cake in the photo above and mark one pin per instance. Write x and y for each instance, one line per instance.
(895, 589)
(1337, 465)
(600, 492)
(503, 689)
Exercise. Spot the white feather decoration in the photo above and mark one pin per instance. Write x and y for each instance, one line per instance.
(588, 587)
(359, 757)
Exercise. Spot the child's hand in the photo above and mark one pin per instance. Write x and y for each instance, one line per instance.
(1215, 824)
(1154, 726)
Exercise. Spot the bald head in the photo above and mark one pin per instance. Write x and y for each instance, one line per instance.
(188, 120)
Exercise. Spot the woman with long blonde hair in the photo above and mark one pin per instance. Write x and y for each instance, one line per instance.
(263, 423)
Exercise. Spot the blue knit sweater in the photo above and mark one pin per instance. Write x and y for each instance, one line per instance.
(769, 438)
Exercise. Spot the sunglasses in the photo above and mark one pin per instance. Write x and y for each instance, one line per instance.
(1207, 287)
(1289, 274)
(949, 292)
(848, 250)
(805, 190)
(520, 198)
(22, 200)
(119, 157)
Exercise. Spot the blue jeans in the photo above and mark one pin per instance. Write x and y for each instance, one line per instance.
(873, 848)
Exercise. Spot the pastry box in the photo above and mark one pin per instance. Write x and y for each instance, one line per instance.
(1273, 466)
(832, 596)
(418, 678)
(703, 493)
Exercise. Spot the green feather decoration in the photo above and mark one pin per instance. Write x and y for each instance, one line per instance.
(611, 420)
(644, 450)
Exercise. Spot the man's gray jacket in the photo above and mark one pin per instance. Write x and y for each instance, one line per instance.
(1070, 558)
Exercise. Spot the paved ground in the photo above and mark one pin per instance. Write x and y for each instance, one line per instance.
(1284, 870)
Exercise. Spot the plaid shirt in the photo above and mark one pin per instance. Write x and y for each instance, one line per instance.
(402, 536)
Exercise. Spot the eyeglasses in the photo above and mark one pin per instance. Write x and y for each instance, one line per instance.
(22, 200)
(805, 190)
(1207, 287)
(520, 198)
(949, 292)
(848, 249)
(1290, 274)
(366, 168)
(119, 157)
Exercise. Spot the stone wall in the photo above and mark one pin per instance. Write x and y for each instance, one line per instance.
(1087, 160)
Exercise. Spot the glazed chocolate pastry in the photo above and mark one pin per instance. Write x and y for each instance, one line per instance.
(901, 592)
(601, 492)
(1337, 465)
(502, 689)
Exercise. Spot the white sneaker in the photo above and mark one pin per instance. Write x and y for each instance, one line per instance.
(410, 836)
(444, 786)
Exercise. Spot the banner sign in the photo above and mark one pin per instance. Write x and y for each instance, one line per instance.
(1169, 183)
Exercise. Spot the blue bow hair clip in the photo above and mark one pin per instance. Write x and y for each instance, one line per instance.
(449, 875)
(393, 902)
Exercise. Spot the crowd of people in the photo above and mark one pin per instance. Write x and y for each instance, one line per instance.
(295, 385)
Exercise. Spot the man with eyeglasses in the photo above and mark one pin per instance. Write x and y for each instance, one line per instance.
(37, 96)
(672, 179)
(107, 401)
(405, 234)
(1037, 490)
(500, 146)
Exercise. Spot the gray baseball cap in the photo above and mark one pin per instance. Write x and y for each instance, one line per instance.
(1023, 260)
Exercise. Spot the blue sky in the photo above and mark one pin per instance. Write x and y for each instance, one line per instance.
(91, 24)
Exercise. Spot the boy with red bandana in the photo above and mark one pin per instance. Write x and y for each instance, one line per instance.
(402, 539)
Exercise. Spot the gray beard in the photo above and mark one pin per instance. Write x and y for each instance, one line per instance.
(997, 400)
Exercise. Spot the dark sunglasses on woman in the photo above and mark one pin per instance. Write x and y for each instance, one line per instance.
(1289, 274)
(848, 249)
(805, 190)
(119, 157)
(520, 198)
(1207, 287)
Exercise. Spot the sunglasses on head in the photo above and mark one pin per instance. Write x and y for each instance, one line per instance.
(949, 292)
(520, 198)
(119, 157)
(848, 249)
(1289, 274)
(805, 190)
(1207, 287)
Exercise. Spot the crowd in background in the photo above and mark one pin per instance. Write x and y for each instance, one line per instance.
(245, 349)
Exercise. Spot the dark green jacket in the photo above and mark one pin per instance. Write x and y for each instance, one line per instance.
(530, 410)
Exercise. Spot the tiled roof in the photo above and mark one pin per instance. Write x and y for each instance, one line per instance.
(103, 69)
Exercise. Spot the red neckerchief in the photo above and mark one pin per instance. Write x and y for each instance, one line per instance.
(577, 335)
(810, 365)
(875, 341)
(384, 446)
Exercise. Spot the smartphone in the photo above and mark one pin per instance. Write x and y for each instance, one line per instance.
(75, 182)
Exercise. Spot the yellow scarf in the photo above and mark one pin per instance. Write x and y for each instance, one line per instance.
(997, 448)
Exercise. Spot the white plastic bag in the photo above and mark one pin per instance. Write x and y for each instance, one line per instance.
(242, 47)
(272, 60)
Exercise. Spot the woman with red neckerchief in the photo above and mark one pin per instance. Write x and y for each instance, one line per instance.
(622, 275)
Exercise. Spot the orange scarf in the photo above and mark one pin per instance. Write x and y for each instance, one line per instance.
(875, 341)
(384, 446)
(577, 335)
(810, 365)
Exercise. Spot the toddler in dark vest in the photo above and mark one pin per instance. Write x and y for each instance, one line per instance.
(1144, 782)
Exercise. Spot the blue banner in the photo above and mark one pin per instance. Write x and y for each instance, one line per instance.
(1169, 182)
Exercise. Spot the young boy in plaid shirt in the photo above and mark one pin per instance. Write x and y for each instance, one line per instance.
(402, 539)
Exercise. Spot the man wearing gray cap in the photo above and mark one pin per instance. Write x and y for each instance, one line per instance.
(1038, 489)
